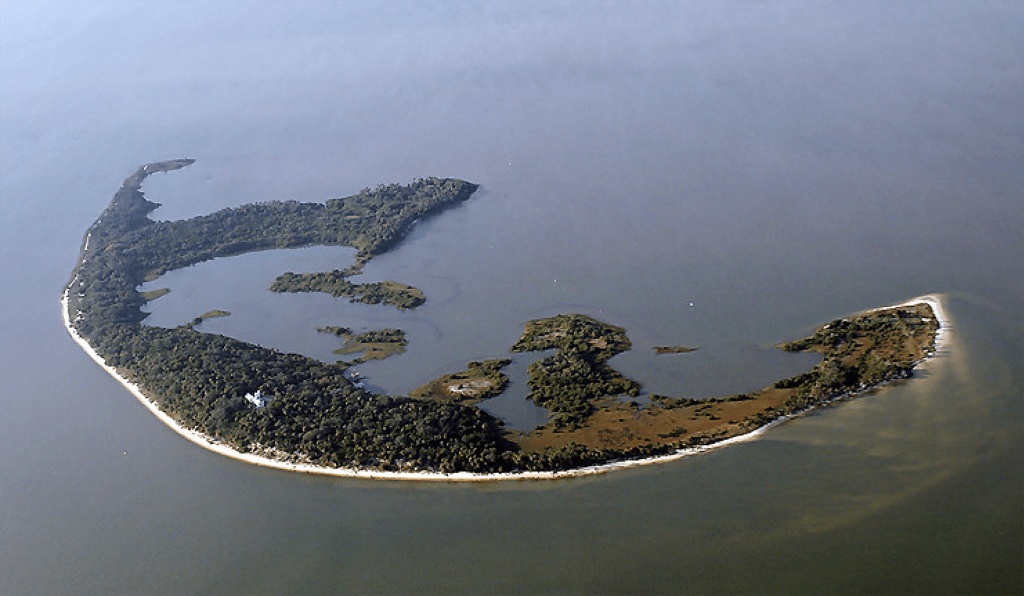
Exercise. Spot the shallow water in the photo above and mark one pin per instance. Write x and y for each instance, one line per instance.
(777, 165)
(288, 322)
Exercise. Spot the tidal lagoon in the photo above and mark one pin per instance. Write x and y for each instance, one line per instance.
(777, 166)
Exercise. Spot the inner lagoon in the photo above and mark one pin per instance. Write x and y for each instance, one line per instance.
(777, 165)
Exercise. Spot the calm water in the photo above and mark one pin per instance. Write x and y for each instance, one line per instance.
(289, 322)
(777, 165)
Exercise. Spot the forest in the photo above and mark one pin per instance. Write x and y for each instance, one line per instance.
(201, 379)
(571, 380)
(336, 284)
(315, 415)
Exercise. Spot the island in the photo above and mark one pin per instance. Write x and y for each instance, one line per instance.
(480, 381)
(336, 284)
(294, 412)
(375, 345)
(211, 314)
(570, 381)
(659, 350)
(858, 353)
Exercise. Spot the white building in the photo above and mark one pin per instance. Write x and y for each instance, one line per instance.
(257, 399)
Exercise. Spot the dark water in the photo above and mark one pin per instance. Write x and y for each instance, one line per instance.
(777, 165)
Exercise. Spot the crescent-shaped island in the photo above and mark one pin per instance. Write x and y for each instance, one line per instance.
(293, 412)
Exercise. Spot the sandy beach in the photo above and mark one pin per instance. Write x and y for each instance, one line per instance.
(202, 440)
(934, 301)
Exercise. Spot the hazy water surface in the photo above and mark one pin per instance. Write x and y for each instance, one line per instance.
(775, 164)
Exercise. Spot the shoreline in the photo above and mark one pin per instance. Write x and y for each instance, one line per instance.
(941, 339)
(935, 302)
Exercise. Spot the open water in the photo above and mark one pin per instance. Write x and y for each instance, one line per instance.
(775, 164)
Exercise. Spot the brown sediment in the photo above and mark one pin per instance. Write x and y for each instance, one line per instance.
(154, 294)
(480, 381)
(375, 345)
(726, 435)
(599, 431)
(859, 353)
(673, 349)
(618, 425)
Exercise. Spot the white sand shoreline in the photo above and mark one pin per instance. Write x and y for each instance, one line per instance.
(934, 301)
(202, 440)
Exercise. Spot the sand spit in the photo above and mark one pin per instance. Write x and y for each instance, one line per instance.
(212, 444)
(945, 324)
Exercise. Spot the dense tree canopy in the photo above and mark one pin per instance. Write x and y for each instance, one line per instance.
(314, 414)
(201, 379)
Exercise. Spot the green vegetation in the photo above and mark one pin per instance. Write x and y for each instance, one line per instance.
(154, 294)
(673, 350)
(577, 334)
(318, 416)
(569, 381)
(200, 379)
(480, 381)
(863, 351)
(375, 345)
(213, 314)
(335, 283)
(857, 353)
